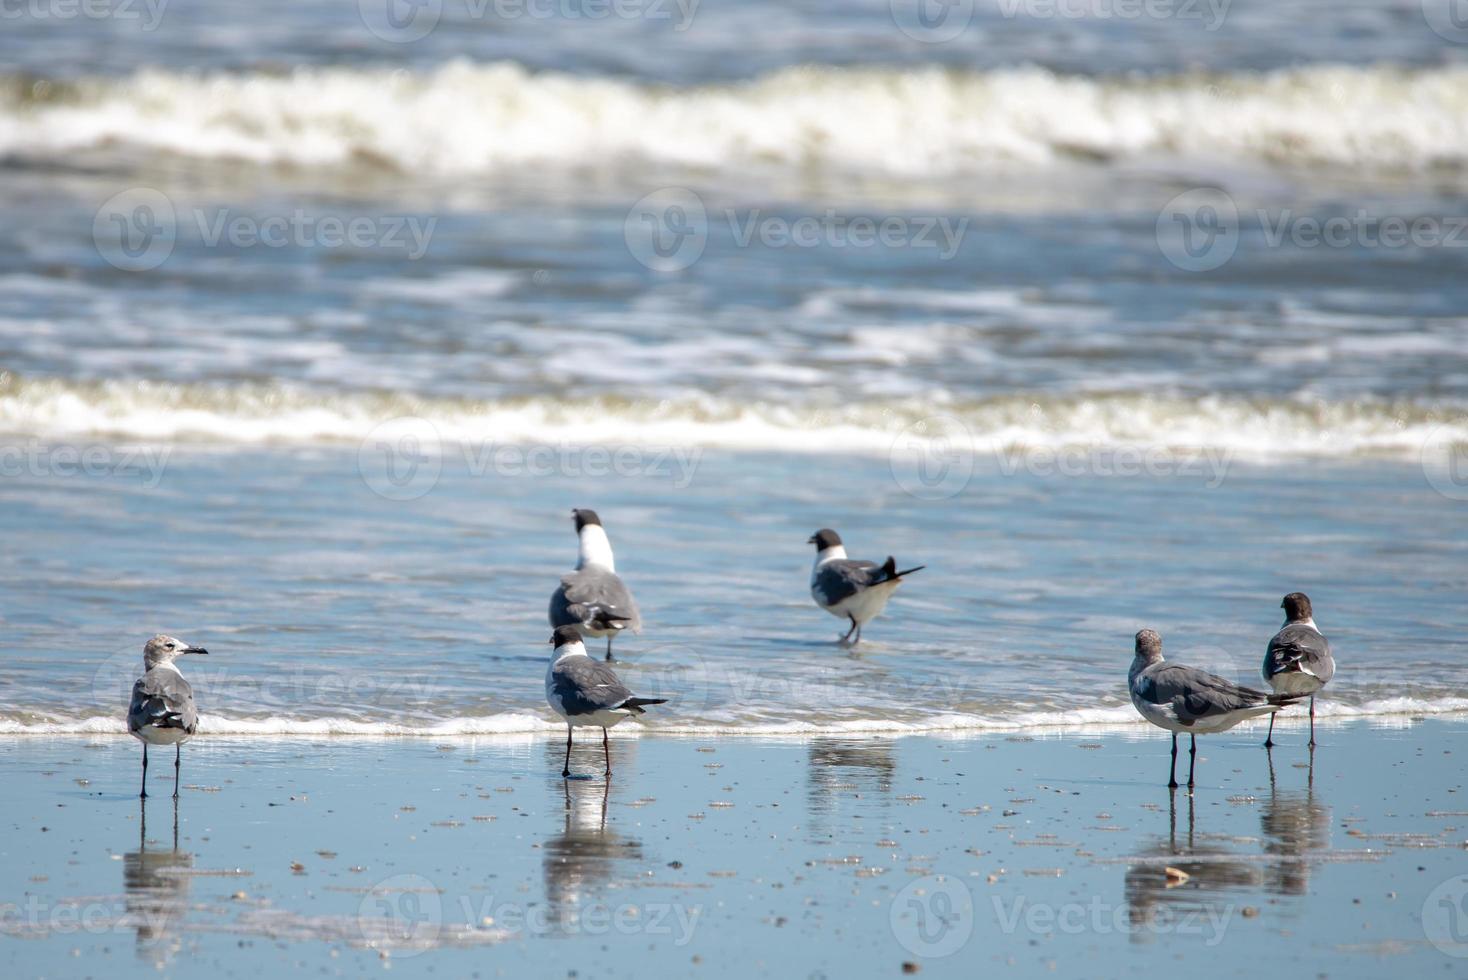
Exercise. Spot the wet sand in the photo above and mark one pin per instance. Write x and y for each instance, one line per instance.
(1031, 856)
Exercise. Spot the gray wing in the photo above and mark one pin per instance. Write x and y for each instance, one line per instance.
(584, 686)
(1196, 693)
(162, 699)
(1296, 647)
(843, 578)
(594, 596)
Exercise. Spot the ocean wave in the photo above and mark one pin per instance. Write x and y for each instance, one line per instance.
(1112, 718)
(50, 409)
(466, 118)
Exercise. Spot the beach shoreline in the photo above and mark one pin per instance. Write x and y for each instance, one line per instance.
(1034, 852)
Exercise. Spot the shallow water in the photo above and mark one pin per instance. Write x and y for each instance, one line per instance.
(328, 607)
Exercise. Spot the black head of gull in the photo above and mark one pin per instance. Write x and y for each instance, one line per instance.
(824, 538)
(564, 635)
(585, 517)
(1297, 607)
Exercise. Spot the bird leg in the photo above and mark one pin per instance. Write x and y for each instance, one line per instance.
(1172, 772)
(1312, 721)
(850, 631)
(606, 750)
(143, 795)
(1192, 756)
(566, 769)
(177, 748)
(1269, 739)
(610, 637)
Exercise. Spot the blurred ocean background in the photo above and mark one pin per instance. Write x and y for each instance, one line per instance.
(1112, 321)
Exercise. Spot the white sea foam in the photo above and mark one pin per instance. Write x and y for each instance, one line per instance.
(50, 409)
(1112, 718)
(470, 118)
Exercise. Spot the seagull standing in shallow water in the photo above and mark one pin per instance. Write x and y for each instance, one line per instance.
(1192, 701)
(162, 710)
(593, 598)
(1298, 660)
(587, 692)
(854, 590)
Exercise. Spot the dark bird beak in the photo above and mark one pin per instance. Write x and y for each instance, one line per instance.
(811, 539)
(195, 650)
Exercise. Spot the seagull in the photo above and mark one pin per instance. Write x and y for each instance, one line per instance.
(162, 711)
(1186, 699)
(587, 692)
(1298, 660)
(854, 590)
(593, 598)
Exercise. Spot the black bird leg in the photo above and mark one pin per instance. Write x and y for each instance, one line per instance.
(143, 794)
(566, 769)
(606, 750)
(850, 631)
(1192, 756)
(1172, 772)
(177, 749)
(1312, 721)
(1269, 739)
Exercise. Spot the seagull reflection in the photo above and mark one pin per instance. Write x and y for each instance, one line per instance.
(583, 858)
(1294, 823)
(839, 765)
(155, 894)
(1159, 901)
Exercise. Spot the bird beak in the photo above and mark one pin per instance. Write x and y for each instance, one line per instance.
(811, 539)
(195, 650)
